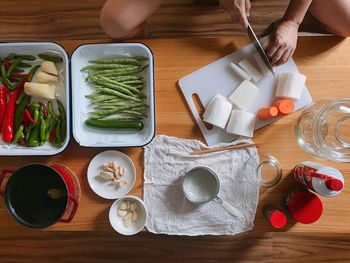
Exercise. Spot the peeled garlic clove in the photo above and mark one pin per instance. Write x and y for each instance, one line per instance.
(127, 222)
(133, 207)
(128, 216)
(123, 206)
(115, 165)
(128, 204)
(122, 213)
(116, 174)
(134, 216)
(107, 175)
(122, 171)
(122, 182)
(109, 169)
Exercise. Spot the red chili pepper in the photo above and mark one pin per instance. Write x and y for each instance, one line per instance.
(7, 129)
(21, 142)
(52, 135)
(7, 63)
(3, 102)
(24, 119)
(46, 114)
(14, 74)
(29, 117)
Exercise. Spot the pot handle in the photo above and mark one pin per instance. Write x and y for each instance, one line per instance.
(3, 174)
(72, 212)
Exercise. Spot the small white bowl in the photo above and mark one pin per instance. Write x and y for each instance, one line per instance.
(105, 188)
(117, 221)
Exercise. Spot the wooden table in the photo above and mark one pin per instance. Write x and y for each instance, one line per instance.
(326, 63)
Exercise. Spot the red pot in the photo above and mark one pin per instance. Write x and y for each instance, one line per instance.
(27, 199)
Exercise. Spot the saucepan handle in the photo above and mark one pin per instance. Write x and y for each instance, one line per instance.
(72, 212)
(3, 174)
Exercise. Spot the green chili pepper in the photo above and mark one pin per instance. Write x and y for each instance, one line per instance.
(58, 132)
(33, 139)
(19, 134)
(50, 57)
(61, 110)
(63, 130)
(52, 112)
(26, 57)
(32, 72)
(24, 65)
(13, 66)
(43, 131)
(18, 70)
(19, 111)
(21, 97)
(50, 126)
(5, 80)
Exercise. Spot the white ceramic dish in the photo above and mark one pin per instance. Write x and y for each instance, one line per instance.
(63, 93)
(105, 188)
(117, 221)
(86, 136)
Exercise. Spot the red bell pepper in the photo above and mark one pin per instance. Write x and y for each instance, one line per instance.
(3, 102)
(7, 129)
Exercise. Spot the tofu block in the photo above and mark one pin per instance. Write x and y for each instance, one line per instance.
(218, 111)
(40, 90)
(49, 67)
(43, 77)
(250, 69)
(241, 123)
(290, 85)
(244, 95)
(264, 70)
(240, 72)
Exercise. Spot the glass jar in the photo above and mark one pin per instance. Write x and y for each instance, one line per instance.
(323, 130)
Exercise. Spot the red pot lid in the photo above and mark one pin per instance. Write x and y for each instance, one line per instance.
(305, 207)
(278, 219)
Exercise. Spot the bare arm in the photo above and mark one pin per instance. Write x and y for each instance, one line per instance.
(282, 43)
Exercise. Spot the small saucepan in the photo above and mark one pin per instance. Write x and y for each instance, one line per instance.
(38, 195)
(201, 185)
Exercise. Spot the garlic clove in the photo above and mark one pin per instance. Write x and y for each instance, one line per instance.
(128, 203)
(127, 222)
(122, 213)
(133, 207)
(128, 216)
(107, 175)
(123, 206)
(115, 165)
(134, 216)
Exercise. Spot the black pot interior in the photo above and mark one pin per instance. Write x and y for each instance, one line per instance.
(27, 199)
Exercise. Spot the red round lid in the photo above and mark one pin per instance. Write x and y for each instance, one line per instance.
(305, 207)
(278, 219)
(334, 184)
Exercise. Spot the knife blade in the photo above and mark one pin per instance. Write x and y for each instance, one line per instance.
(260, 49)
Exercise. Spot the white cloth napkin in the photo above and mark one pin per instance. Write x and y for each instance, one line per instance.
(169, 212)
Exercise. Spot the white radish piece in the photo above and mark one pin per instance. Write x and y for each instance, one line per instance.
(43, 77)
(40, 90)
(263, 68)
(250, 69)
(243, 96)
(241, 123)
(49, 67)
(240, 72)
(218, 111)
(290, 85)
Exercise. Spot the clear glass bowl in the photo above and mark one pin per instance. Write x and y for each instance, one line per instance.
(323, 130)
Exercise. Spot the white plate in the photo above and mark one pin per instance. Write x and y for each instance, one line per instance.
(105, 188)
(63, 93)
(117, 221)
(89, 137)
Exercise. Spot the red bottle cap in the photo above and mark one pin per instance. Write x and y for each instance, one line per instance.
(305, 207)
(278, 219)
(334, 184)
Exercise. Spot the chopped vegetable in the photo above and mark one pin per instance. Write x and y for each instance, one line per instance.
(49, 67)
(250, 69)
(115, 124)
(51, 57)
(264, 70)
(40, 90)
(241, 123)
(7, 130)
(240, 72)
(290, 85)
(218, 111)
(244, 95)
(284, 106)
(267, 113)
(43, 77)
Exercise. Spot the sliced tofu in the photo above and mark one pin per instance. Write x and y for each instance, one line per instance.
(241, 123)
(250, 69)
(264, 70)
(49, 67)
(40, 90)
(290, 85)
(218, 111)
(43, 77)
(240, 72)
(243, 96)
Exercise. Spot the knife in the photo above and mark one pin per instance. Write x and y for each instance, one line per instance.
(260, 49)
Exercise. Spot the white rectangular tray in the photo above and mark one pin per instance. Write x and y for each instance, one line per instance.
(63, 93)
(218, 77)
(89, 137)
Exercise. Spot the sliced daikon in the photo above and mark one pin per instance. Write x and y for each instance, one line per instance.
(240, 72)
(241, 123)
(43, 77)
(243, 96)
(262, 66)
(218, 111)
(290, 85)
(49, 67)
(40, 90)
(250, 69)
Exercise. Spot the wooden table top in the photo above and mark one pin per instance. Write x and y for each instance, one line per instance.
(326, 63)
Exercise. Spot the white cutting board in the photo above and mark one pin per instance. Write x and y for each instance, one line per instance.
(218, 77)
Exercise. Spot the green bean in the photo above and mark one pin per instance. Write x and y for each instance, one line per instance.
(126, 78)
(102, 80)
(51, 57)
(117, 93)
(115, 87)
(24, 65)
(26, 57)
(98, 67)
(13, 66)
(118, 60)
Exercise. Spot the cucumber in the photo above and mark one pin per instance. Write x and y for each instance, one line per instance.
(115, 124)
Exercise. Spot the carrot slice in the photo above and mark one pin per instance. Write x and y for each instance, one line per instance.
(284, 106)
(267, 113)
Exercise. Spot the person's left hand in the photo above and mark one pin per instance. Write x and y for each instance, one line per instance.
(281, 44)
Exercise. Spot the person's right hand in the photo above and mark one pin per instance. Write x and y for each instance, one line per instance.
(238, 9)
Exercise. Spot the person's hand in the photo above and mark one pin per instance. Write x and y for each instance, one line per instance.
(238, 9)
(281, 44)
